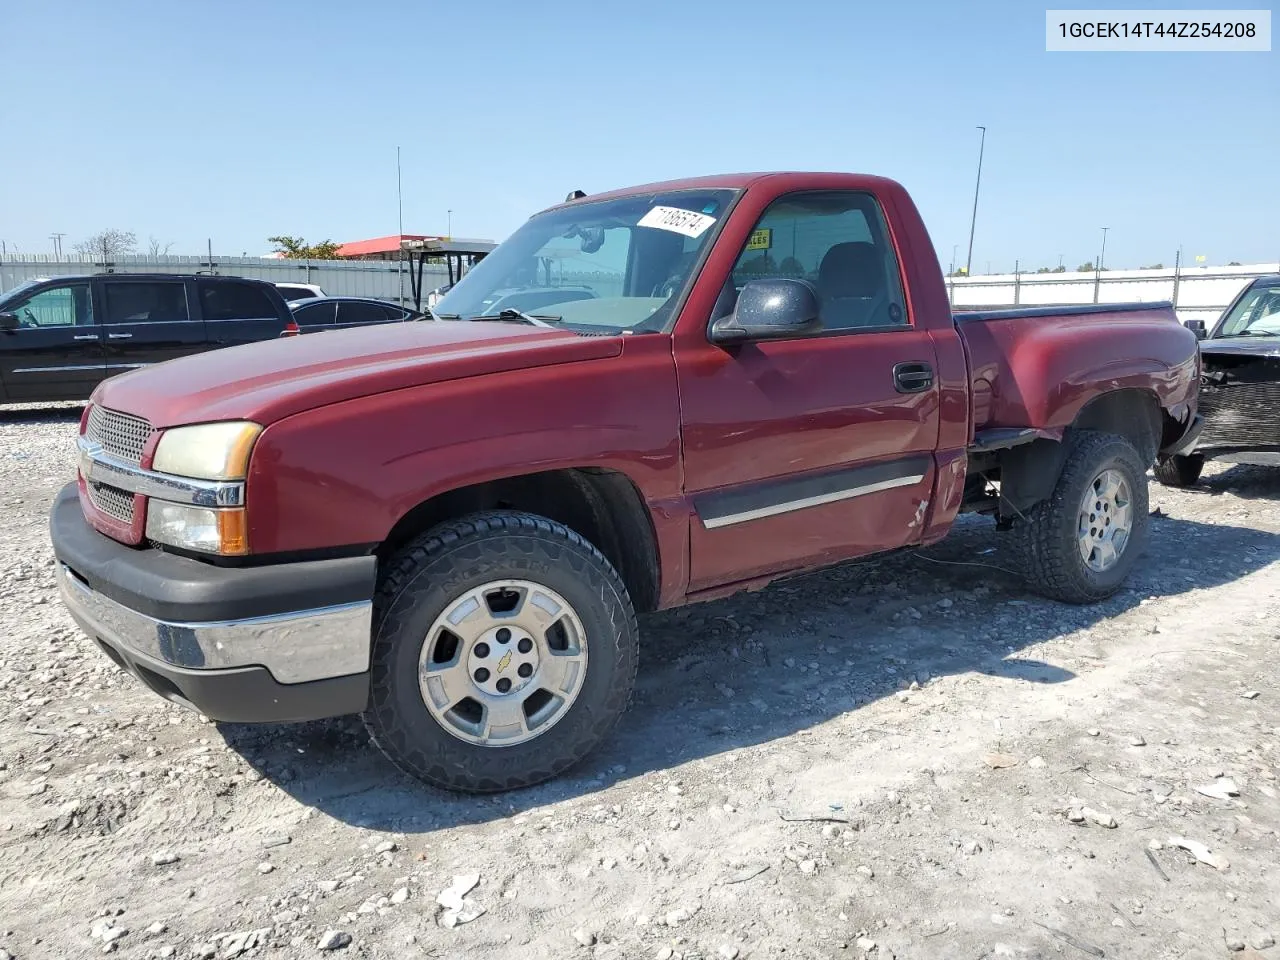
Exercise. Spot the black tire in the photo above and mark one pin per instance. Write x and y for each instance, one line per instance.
(1047, 537)
(1179, 471)
(441, 565)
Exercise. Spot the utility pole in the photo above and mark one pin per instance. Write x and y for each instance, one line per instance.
(1097, 270)
(1059, 259)
(449, 228)
(968, 269)
(954, 247)
(400, 221)
(57, 244)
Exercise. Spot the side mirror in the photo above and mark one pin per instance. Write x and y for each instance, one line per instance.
(777, 308)
(1198, 328)
(9, 321)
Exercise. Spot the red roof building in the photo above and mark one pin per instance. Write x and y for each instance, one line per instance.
(380, 248)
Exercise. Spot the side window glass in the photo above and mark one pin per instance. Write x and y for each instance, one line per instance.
(314, 315)
(69, 306)
(145, 302)
(838, 242)
(235, 301)
(355, 311)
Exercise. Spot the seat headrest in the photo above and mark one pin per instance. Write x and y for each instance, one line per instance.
(853, 269)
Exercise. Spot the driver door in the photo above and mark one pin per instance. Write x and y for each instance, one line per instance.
(57, 351)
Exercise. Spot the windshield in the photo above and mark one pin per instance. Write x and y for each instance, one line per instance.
(612, 265)
(1256, 314)
(10, 295)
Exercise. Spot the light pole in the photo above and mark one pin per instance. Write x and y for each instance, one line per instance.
(968, 268)
(1103, 255)
(955, 247)
(449, 221)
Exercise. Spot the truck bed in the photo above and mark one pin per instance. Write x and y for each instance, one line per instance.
(1033, 368)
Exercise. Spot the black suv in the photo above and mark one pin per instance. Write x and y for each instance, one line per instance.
(60, 338)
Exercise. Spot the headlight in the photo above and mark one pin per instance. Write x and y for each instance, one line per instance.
(198, 528)
(207, 451)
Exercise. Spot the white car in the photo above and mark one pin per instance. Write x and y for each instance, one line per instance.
(299, 291)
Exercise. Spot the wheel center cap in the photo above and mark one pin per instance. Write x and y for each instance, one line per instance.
(503, 660)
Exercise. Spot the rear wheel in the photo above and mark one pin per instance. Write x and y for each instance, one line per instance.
(505, 651)
(1179, 471)
(1079, 545)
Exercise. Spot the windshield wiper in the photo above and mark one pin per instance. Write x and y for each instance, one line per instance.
(1257, 333)
(442, 316)
(510, 314)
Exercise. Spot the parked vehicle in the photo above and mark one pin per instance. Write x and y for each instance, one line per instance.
(1239, 387)
(299, 291)
(59, 338)
(450, 527)
(338, 313)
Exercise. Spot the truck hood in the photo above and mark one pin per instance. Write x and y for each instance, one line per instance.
(1241, 347)
(268, 381)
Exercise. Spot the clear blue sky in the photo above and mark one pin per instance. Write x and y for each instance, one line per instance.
(235, 121)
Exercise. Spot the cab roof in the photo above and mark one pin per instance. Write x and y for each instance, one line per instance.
(780, 180)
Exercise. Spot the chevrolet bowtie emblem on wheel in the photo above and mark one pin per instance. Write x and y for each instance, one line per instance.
(505, 661)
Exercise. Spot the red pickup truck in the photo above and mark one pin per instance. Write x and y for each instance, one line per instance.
(641, 399)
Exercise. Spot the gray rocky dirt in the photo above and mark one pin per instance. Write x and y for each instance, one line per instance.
(913, 757)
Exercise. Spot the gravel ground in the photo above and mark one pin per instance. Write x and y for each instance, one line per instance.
(908, 758)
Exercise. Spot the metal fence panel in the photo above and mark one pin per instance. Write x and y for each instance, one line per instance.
(385, 280)
(1196, 292)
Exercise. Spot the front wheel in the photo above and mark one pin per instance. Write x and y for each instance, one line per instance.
(1179, 471)
(505, 650)
(1079, 545)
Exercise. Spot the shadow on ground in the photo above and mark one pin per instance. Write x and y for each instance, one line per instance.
(1243, 480)
(753, 668)
(41, 413)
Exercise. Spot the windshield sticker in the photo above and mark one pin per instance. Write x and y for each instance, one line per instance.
(677, 221)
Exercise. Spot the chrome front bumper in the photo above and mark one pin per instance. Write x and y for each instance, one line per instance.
(296, 647)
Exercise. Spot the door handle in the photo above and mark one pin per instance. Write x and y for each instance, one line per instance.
(912, 377)
(85, 336)
(119, 336)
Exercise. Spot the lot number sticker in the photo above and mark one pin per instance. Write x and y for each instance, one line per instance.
(677, 221)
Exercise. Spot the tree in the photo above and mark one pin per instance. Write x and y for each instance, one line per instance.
(1044, 270)
(1086, 267)
(107, 244)
(295, 248)
(1234, 263)
(1155, 266)
(157, 249)
(1059, 269)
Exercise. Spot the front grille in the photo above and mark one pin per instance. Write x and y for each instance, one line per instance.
(114, 502)
(120, 434)
(1240, 415)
